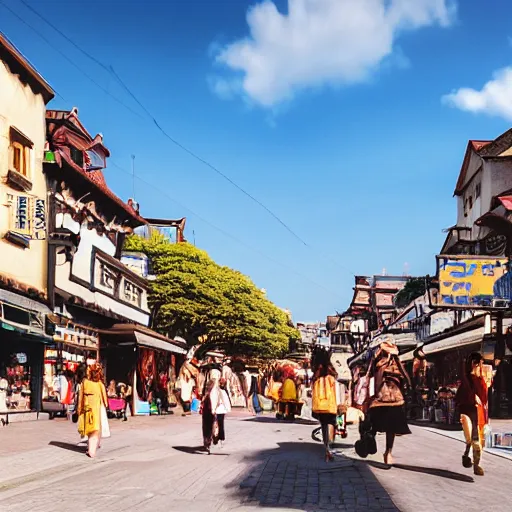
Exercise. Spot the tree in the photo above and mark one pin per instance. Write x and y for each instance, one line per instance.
(201, 301)
(414, 287)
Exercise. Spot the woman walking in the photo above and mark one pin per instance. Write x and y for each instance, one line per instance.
(220, 397)
(387, 407)
(92, 404)
(471, 399)
(325, 406)
(208, 411)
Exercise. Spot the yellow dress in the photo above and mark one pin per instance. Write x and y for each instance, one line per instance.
(274, 390)
(289, 390)
(92, 397)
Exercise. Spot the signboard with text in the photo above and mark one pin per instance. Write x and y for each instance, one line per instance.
(473, 282)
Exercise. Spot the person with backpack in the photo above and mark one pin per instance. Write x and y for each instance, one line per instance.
(325, 406)
(386, 411)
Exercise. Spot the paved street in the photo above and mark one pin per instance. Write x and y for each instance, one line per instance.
(152, 464)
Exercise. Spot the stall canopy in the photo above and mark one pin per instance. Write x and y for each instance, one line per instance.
(133, 334)
(454, 340)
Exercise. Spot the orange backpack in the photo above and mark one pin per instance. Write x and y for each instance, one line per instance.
(324, 396)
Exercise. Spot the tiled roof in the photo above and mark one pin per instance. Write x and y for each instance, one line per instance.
(19, 65)
(479, 144)
(96, 177)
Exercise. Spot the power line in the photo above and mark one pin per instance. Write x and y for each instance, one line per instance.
(225, 233)
(208, 164)
(68, 39)
(76, 66)
(112, 71)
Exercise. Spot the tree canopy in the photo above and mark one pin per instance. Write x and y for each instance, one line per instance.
(201, 301)
(414, 287)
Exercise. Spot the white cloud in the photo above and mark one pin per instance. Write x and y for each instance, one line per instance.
(495, 97)
(321, 42)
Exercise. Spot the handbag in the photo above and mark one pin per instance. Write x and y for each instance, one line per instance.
(74, 417)
(366, 445)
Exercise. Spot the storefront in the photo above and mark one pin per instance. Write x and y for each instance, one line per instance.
(73, 345)
(436, 369)
(22, 344)
(146, 360)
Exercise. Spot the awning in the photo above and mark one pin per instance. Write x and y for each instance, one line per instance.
(454, 342)
(152, 342)
(134, 334)
(23, 302)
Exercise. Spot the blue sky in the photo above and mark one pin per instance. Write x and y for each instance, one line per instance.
(347, 118)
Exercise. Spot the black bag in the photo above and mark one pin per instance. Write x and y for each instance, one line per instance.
(74, 417)
(366, 445)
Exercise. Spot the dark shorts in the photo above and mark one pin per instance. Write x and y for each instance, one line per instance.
(325, 418)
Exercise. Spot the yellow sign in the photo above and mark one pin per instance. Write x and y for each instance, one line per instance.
(470, 281)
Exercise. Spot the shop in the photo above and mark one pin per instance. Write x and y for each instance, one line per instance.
(144, 359)
(436, 369)
(73, 345)
(22, 343)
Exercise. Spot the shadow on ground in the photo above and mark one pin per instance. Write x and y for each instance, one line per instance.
(273, 419)
(443, 473)
(295, 476)
(69, 446)
(196, 450)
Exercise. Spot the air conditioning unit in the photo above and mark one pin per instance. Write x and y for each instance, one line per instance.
(500, 303)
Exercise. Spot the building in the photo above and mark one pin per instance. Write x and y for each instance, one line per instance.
(483, 191)
(95, 298)
(23, 231)
(172, 230)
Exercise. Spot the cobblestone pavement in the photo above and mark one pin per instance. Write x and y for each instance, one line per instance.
(151, 464)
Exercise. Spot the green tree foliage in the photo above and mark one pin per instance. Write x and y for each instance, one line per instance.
(198, 299)
(414, 288)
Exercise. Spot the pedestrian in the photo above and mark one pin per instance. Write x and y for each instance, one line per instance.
(387, 406)
(69, 399)
(186, 386)
(92, 409)
(220, 399)
(325, 406)
(112, 389)
(471, 399)
(208, 412)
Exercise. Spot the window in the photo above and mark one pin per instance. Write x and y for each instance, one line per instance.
(20, 147)
(77, 156)
(465, 207)
(470, 202)
(132, 293)
(478, 190)
(108, 278)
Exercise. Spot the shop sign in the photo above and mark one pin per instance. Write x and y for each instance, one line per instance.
(473, 282)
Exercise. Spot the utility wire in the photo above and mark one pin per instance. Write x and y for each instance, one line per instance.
(76, 66)
(225, 233)
(68, 39)
(208, 164)
(112, 71)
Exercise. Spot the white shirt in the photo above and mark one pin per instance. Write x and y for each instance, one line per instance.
(220, 401)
